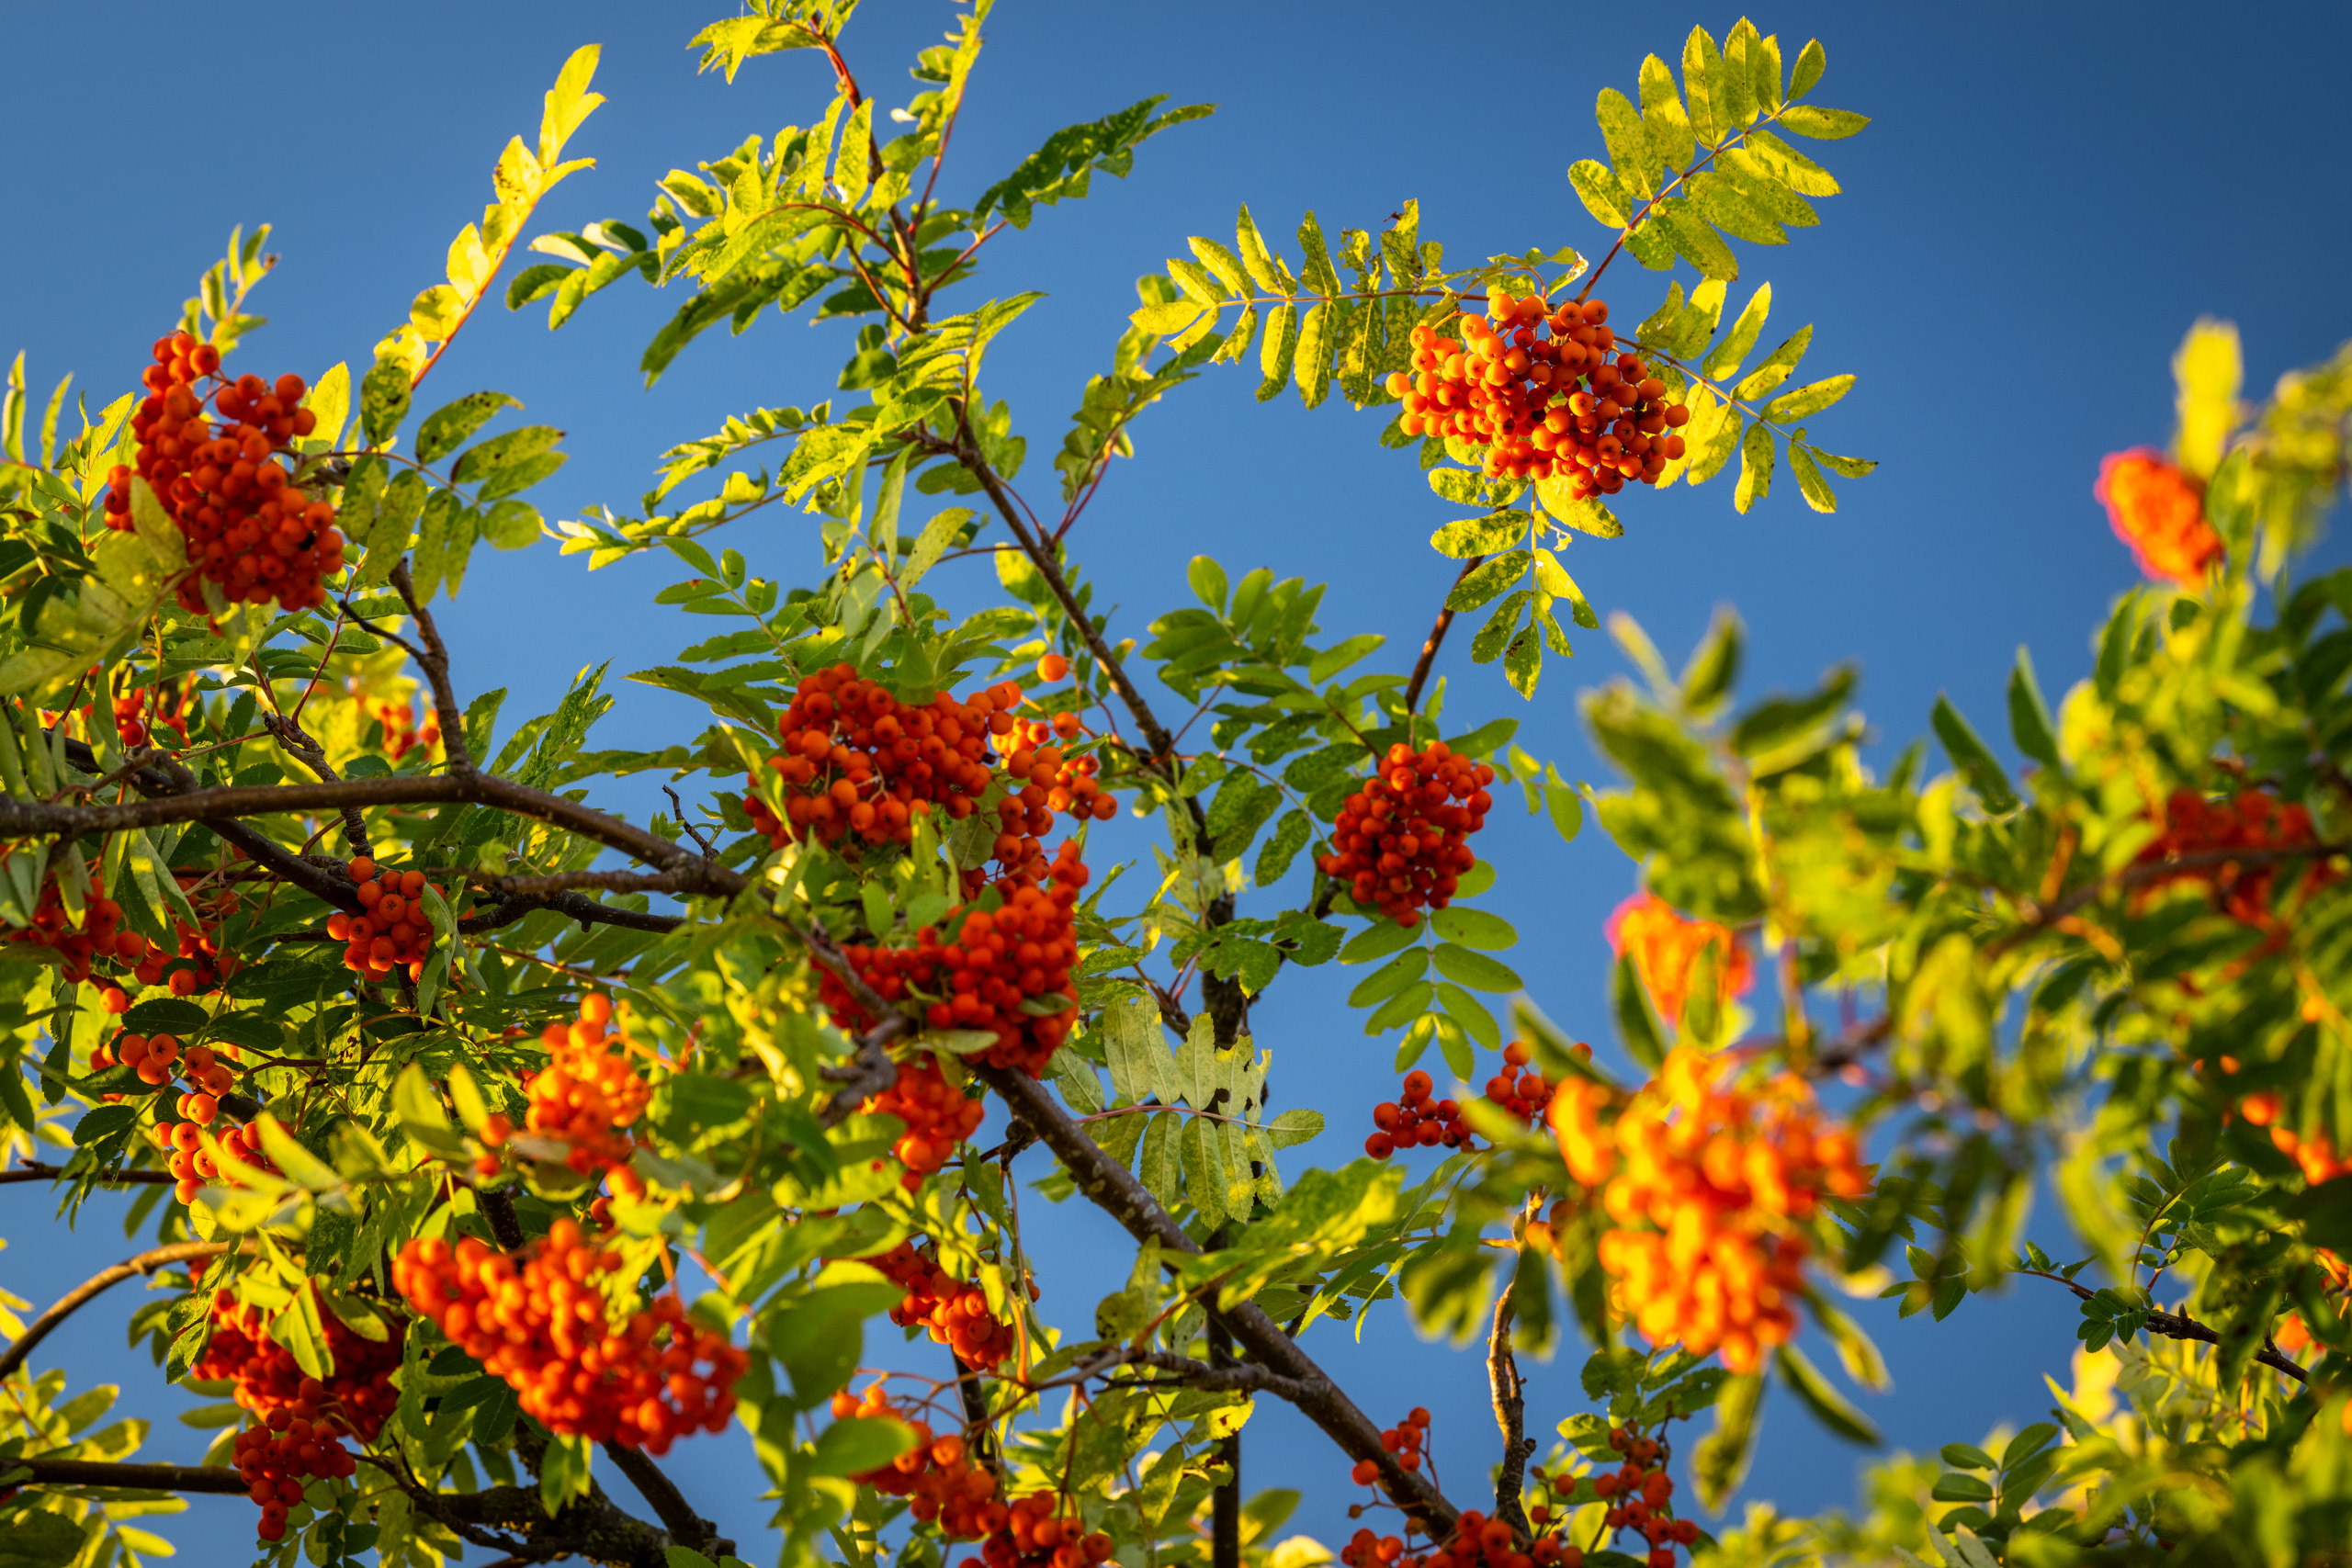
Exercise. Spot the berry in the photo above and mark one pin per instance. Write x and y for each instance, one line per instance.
(1402, 841)
(943, 1487)
(955, 1314)
(938, 1117)
(1563, 406)
(587, 1093)
(252, 529)
(2190, 825)
(395, 932)
(978, 965)
(2159, 511)
(541, 1319)
(1413, 1120)
(1705, 1184)
(1665, 944)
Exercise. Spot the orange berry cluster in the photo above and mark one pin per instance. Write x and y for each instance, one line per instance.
(2252, 820)
(395, 933)
(541, 1321)
(1404, 1440)
(955, 1314)
(943, 1486)
(2158, 508)
(1705, 1183)
(1041, 1530)
(587, 1093)
(2316, 1154)
(251, 528)
(131, 720)
(1665, 943)
(938, 1117)
(1637, 1493)
(1565, 406)
(977, 967)
(1402, 841)
(406, 725)
(1478, 1542)
(1411, 1119)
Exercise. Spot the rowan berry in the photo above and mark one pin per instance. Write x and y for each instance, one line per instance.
(1665, 944)
(588, 1094)
(1414, 1119)
(944, 1488)
(1052, 668)
(1401, 844)
(937, 1116)
(1707, 1185)
(2158, 508)
(542, 1320)
(393, 933)
(252, 529)
(955, 1314)
(983, 969)
(1540, 389)
(2269, 831)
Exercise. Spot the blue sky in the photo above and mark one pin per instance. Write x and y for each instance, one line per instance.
(2049, 197)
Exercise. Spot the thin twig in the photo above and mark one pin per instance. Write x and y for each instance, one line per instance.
(1436, 640)
(145, 1263)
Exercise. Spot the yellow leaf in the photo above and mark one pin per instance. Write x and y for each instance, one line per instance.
(2207, 370)
(516, 178)
(567, 103)
(436, 313)
(468, 262)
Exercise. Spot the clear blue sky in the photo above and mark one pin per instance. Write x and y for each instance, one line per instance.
(2048, 198)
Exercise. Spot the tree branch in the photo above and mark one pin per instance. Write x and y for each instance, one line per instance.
(669, 1504)
(436, 663)
(145, 1263)
(1436, 640)
(2180, 1326)
(1509, 1395)
(310, 754)
(35, 1170)
(1114, 1189)
(215, 1479)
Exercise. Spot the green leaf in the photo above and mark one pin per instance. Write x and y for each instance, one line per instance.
(1723, 361)
(1809, 484)
(1630, 152)
(1291, 835)
(383, 402)
(1637, 1025)
(1965, 1456)
(1755, 468)
(1668, 127)
(1331, 660)
(1808, 401)
(1482, 585)
(1390, 978)
(1473, 927)
(1496, 635)
(860, 1443)
(1604, 193)
(1828, 1407)
(446, 427)
(1953, 1487)
(1806, 75)
(1475, 970)
(1481, 536)
(1720, 1460)
(1207, 581)
(1695, 240)
(2029, 722)
(1973, 759)
(1822, 124)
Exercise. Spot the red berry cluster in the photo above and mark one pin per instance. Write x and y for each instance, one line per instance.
(301, 1421)
(955, 1314)
(540, 1320)
(942, 1486)
(858, 763)
(1402, 841)
(406, 724)
(2252, 820)
(1412, 1119)
(394, 934)
(358, 1398)
(979, 967)
(130, 717)
(251, 526)
(1637, 1494)
(1041, 1530)
(2158, 508)
(938, 1117)
(1567, 406)
(1404, 1439)
(99, 940)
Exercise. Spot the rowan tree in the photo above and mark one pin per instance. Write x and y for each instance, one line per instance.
(457, 1159)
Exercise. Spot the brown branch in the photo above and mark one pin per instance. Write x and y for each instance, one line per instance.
(2038, 915)
(35, 1170)
(436, 659)
(1436, 640)
(491, 914)
(310, 754)
(145, 1263)
(2180, 1326)
(216, 1479)
(669, 1504)
(1509, 1395)
(1115, 1189)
